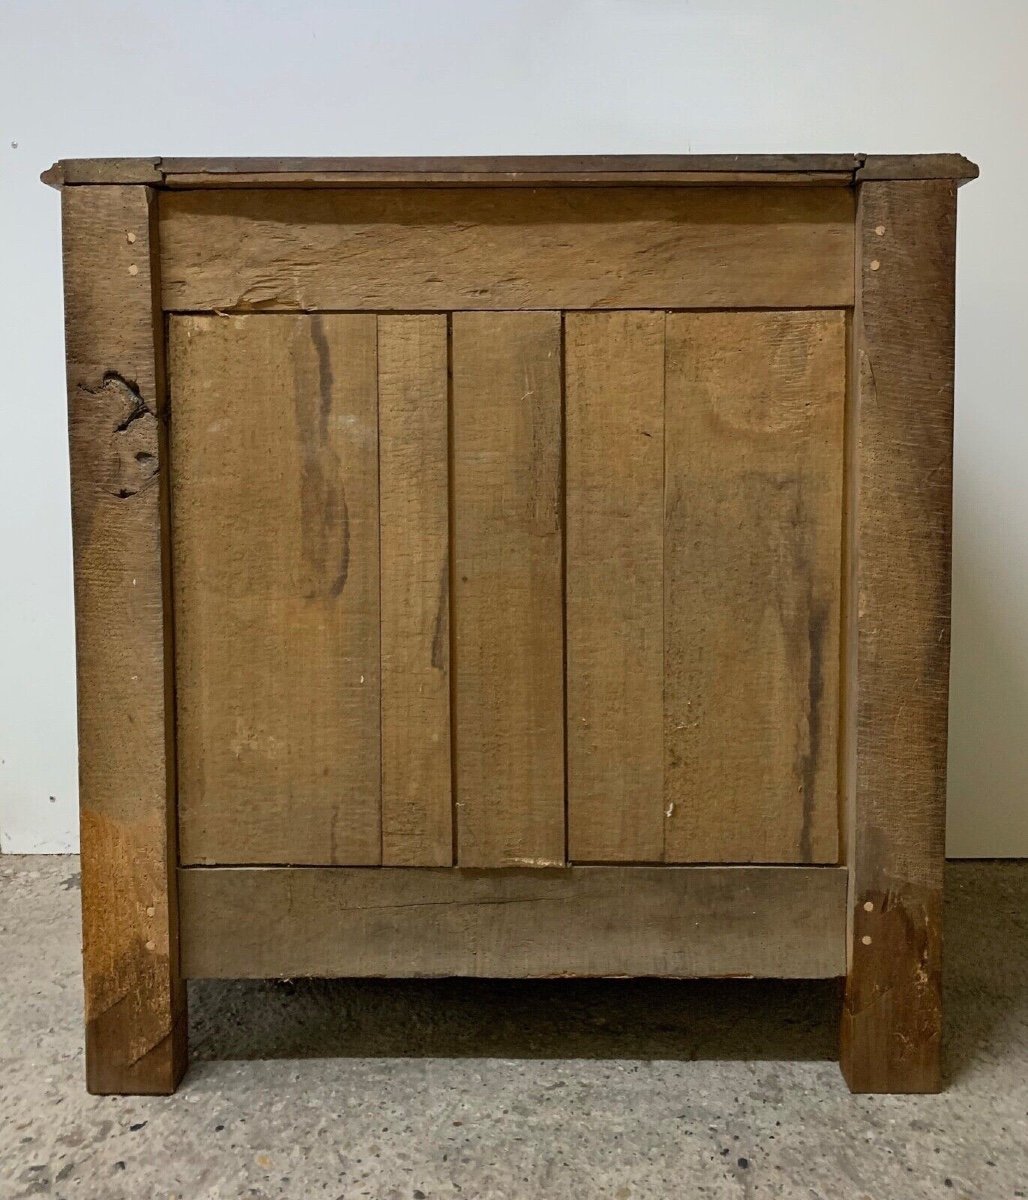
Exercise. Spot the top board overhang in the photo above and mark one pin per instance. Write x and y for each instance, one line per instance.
(516, 171)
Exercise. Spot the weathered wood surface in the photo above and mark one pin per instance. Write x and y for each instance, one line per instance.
(614, 371)
(530, 164)
(902, 373)
(509, 179)
(567, 169)
(917, 166)
(678, 921)
(508, 621)
(413, 419)
(752, 544)
(135, 1004)
(490, 248)
(276, 576)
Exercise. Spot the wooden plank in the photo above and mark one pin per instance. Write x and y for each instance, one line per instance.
(220, 172)
(92, 171)
(547, 164)
(614, 372)
(753, 532)
(415, 590)
(917, 166)
(903, 379)
(787, 922)
(275, 535)
(492, 248)
(508, 623)
(528, 179)
(509, 169)
(135, 1003)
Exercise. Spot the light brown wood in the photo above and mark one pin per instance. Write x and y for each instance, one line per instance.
(135, 1003)
(508, 624)
(753, 532)
(414, 518)
(745, 634)
(440, 249)
(614, 371)
(678, 921)
(902, 375)
(276, 573)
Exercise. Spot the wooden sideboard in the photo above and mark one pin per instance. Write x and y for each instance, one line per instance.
(511, 567)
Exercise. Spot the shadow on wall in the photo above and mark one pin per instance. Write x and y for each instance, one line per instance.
(988, 686)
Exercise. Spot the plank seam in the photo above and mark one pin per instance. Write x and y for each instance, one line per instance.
(451, 528)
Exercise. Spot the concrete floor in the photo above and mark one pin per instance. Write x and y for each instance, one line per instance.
(413, 1091)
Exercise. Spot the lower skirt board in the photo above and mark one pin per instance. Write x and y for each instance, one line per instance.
(281, 922)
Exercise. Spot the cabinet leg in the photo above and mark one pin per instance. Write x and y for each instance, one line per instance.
(135, 999)
(112, 1068)
(891, 1033)
(896, 617)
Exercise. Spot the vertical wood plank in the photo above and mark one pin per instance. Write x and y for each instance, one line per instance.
(753, 451)
(614, 373)
(508, 621)
(902, 380)
(276, 571)
(135, 1003)
(414, 521)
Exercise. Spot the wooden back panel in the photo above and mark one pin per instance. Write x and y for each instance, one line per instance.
(694, 534)
(442, 249)
(704, 500)
(662, 688)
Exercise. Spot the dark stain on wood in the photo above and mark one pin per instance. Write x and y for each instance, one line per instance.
(816, 630)
(325, 516)
(441, 628)
(325, 379)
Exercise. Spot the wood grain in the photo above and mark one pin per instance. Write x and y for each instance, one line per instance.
(917, 166)
(415, 588)
(500, 248)
(754, 418)
(135, 1003)
(276, 569)
(902, 375)
(614, 371)
(506, 179)
(508, 622)
(565, 168)
(529, 170)
(787, 922)
(529, 164)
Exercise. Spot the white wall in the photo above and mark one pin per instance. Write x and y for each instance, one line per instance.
(208, 77)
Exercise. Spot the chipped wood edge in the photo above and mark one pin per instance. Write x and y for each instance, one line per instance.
(135, 1001)
(917, 166)
(894, 769)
